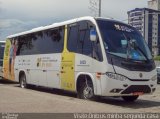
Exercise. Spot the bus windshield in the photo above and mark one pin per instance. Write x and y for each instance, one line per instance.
(123, 41)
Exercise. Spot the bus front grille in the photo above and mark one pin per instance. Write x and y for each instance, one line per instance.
(137, 88)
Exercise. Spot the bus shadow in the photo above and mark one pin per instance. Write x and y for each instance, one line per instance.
(4, 81)
(40, 89)
(52, 91)
(140, 103)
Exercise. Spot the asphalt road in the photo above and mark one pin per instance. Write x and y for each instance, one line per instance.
(41, 100)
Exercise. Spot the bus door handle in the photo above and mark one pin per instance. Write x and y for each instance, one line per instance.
(63, 72)
(28, 71)
(44, 71)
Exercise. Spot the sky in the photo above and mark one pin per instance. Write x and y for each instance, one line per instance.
(21, 15)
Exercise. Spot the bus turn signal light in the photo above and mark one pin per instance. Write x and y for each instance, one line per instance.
(98, 75)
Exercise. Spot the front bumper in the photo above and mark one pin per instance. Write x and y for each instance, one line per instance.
(113, 87)
(137, 88)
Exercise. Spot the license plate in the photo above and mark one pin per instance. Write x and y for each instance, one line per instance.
(138, 93)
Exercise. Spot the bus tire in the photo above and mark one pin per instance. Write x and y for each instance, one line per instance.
(22, 80)
(86, 91)
(130, 98)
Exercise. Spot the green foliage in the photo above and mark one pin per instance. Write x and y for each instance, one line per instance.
(157, 58)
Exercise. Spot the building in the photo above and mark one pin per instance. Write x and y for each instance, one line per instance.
(154, 4)
(147, 21)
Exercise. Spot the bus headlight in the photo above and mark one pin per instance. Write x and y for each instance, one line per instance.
(154, 78)
(116, 76)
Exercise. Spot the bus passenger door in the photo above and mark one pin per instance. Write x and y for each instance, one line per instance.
(67, 71)
(67, 67)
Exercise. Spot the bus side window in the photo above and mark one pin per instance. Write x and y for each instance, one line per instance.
(85, 45)
(42, 42)
(79, 40)
(54, 40)
(97, 53)
(72, 37)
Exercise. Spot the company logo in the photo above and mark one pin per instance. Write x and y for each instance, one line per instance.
(83, 62)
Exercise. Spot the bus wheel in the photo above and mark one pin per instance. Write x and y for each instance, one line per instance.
(130, 98)
(86, 90)
(23, 83)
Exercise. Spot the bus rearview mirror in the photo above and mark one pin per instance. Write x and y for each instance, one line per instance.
(93, 35)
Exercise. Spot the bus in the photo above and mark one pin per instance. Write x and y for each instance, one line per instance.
(87, 55)
(2, 46)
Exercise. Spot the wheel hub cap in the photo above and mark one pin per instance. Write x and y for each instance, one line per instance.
(88, 92)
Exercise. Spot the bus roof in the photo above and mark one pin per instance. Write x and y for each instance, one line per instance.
(52, 26)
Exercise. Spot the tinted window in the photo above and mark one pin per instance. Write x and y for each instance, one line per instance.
(123, 40)
(43, 42)
(1, 53)
(84, 43)
(72, 37)
(1, 50)
(79, 40)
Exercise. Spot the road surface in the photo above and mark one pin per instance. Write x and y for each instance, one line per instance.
(41, 100)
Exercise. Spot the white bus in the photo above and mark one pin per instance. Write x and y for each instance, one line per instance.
(2, 46)
(89, 56)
